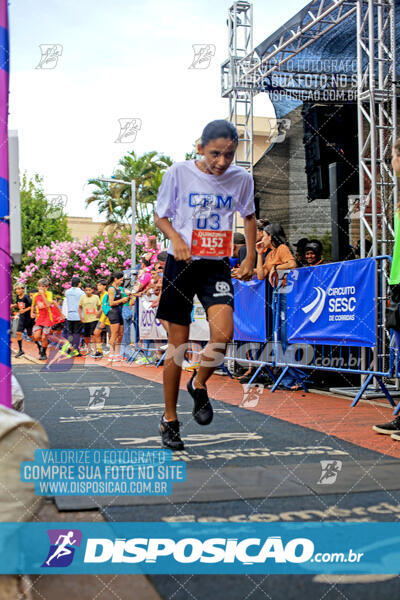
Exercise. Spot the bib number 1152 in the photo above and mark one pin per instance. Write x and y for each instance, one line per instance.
(211, 243)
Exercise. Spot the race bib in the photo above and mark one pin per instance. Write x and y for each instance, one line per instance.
(21, 305)
(90, 311)
(41, 305)
(211, 243)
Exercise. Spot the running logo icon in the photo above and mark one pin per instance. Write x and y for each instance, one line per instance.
(50, 55)
(330, 471)
(56, 204)
(203, 54)
(62, 547)
(128, 129)
(317, 304)
(251, 395)
(98, 396)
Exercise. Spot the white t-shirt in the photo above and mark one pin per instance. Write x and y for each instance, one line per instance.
(196, 200)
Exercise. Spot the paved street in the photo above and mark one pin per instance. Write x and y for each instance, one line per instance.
(258, 464)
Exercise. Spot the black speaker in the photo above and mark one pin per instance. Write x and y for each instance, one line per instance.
(330, 135)
(338, 176)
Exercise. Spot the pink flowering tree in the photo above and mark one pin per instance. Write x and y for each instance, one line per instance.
(90, 260)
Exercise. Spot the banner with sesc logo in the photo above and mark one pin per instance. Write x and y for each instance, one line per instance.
(333, 304)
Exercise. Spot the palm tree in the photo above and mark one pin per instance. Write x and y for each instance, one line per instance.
(115, 200)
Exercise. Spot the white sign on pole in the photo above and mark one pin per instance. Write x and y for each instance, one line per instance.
(150, 328)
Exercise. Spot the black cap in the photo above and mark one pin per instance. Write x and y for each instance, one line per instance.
(238, 238)
(301, 243)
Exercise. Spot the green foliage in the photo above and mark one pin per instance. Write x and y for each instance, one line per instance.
(326, 241)
(114, 200)
(191, 155)
(37, 228)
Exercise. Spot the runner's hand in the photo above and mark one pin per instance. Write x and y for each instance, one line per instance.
(181, 249)
(246, 270)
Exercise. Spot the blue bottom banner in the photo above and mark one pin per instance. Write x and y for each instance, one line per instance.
(213, 548)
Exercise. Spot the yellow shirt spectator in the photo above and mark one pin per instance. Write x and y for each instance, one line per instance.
(90, 307)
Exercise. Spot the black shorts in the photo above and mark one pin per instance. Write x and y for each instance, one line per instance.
(74, 327)
(88, 329)
(115, 316)
(25, 324)
(209, 279)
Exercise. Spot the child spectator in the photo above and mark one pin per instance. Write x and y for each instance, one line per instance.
(25, 321)
(89, 312)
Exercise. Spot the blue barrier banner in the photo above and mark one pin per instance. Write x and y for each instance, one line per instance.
(333, 304)
(249, 314)
(215, 548)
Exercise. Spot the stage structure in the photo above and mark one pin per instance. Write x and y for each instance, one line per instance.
(249, 71)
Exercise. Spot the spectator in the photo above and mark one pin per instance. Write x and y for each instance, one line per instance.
(116, 298)
(313, 253)
(103, 323)
(238, 242)
(40, 311)
(280, 258)
(25, 321)
(300, 251)
(74, 324)
(89, 312)
(162, 258)
(261, 223)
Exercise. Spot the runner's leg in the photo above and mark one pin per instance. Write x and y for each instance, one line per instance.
(178, 335)
(220, 318)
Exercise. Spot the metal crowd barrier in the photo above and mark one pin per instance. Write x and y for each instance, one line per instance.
(381, 361)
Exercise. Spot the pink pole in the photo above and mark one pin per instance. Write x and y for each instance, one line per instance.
(5, 259)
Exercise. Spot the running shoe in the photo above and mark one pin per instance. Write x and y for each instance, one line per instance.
(202, 410)
(141, 361)
(19, 354)
(97, 355)
(188, 366)
(42, 354)
(388, 428)
(170, 437)
(110, 358)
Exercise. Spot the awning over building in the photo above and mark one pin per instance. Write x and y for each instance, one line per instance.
(334, 52)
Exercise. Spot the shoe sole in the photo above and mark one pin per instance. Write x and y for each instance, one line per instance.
(395, 436)
(384, 431)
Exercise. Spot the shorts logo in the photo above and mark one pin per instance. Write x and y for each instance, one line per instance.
(62, 547)
(223, 289)
(222, 286)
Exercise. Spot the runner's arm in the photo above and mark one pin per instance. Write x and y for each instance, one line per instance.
(181, 249)
(246, 269)
(24, 310)
(99, 310)
(33, 306)
(111, 296)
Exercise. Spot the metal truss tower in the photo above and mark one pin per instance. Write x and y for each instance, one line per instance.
(244, 75)
(239, 90)
(377, 122)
